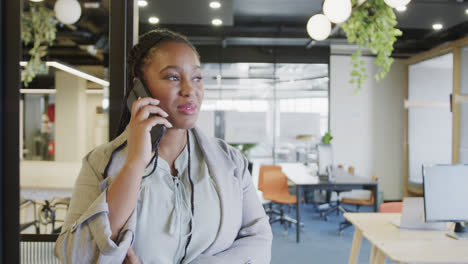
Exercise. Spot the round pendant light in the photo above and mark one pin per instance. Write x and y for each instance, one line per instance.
(397, 3)
(337, 11)
(319, 27)
(67, 11)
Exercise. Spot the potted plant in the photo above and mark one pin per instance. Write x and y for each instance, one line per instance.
(326, 139)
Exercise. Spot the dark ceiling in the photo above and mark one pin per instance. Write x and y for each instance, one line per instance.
(250, 23)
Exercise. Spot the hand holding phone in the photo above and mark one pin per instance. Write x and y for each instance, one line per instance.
(139, 90)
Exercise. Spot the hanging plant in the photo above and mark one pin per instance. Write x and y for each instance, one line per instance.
(372, 25)
(38, 27)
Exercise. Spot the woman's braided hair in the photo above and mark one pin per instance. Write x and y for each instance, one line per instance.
(139, 57)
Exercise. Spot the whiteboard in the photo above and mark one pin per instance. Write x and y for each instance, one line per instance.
(244, 127)
(294, 124)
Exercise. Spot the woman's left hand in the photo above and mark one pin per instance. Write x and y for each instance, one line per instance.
(131, 257)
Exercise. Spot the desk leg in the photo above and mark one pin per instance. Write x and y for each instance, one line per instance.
(357, 239)
(298, 210)
(372, 255)
(377, 198)
(380, 257)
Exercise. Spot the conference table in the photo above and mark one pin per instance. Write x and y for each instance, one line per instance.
(305, 179)
(403, 245)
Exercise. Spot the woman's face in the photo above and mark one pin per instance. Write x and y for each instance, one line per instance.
(173, 76)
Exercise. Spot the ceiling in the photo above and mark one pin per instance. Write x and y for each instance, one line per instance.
(252, 23)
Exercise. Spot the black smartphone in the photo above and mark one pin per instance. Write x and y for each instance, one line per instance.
(140, 90)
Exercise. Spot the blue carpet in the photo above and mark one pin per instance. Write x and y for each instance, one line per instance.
(320, 241)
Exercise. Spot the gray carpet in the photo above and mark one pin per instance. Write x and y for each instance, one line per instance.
(320, 241)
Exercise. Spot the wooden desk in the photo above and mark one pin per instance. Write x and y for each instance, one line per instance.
(306, 180)
(403, 245)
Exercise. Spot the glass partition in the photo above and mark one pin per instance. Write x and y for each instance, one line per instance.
(279, 109)
(430, 86)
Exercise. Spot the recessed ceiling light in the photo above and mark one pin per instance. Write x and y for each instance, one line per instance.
(91, 5)
(142, 3)
(466, 11)
(153, 20)
(215, 4)
(217, 22)
(36, 0)
(437, 26)
(401, 8)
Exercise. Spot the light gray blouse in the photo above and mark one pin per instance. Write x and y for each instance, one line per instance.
(164, 210)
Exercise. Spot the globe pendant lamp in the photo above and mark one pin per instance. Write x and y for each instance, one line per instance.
(319, 27)
(337, 11)
(67, 11)
(397, 3)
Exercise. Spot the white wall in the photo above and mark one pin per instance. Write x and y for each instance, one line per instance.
(70, 117)
(368, 126)
(97, 124)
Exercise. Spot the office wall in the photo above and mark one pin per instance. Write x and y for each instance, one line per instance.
(70, 117)
(97, 123)
(368, 126)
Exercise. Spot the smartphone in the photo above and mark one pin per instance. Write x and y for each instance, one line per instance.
(140, 90)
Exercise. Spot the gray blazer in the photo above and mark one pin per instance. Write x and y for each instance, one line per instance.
(244, 235)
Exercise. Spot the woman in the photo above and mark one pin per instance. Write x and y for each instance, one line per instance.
(197, 206)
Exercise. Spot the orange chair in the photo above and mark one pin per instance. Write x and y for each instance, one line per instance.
(275, 188)
(262, 170)
(391, 207)
(358, 202)
(267, 203)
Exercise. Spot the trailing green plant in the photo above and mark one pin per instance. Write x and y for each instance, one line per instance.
(39, 27)
(372, 25)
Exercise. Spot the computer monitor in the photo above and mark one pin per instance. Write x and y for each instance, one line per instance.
(446, 194)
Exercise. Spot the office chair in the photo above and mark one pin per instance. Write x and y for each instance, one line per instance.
(275, 188)
(267, 204)
(347, 198)
(391, 207)
(35, 223)
(48, 213)
(337, 206)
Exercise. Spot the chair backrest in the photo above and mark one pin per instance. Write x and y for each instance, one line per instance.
(274, 183)
(325, 158)
(262, 170)
(391, 207)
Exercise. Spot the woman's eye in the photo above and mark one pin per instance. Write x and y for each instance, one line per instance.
(172, 77)
(198, 78)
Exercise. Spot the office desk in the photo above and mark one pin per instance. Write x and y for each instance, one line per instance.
(403, 245)
(305, 180)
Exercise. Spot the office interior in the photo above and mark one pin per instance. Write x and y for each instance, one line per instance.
(270, 90)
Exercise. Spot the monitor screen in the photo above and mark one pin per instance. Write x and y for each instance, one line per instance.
(446, 192)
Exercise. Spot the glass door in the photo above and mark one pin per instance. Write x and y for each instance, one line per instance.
(430, 85)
